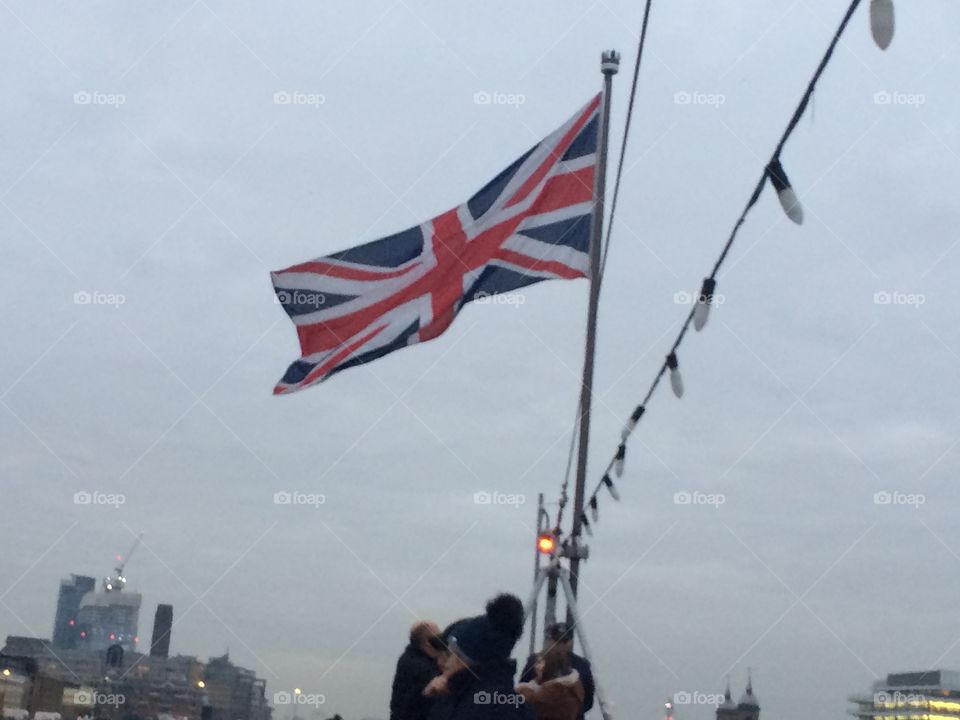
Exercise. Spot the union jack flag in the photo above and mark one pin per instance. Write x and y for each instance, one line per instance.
(530, 223)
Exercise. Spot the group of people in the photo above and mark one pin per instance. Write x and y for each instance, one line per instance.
(465, 672)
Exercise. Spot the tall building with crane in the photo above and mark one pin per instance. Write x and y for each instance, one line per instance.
(111, 615)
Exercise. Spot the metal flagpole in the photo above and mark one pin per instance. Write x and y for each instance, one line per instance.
(536, 573)
(609, 64)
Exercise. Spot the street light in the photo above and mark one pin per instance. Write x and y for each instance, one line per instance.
(201, 684)
(6, 672)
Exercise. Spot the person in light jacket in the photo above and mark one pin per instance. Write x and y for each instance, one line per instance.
(557, 692)
(561, 635)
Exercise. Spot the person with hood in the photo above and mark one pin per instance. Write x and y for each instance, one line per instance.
(476, 682)
(557, 692)
(416, 667)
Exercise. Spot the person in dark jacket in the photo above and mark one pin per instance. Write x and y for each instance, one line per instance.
(561, 636)
(416, 667)
(477, 682)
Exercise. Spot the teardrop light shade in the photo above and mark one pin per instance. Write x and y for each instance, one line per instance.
(701, 312)
(676, 382)
(676, 379)
(791, 204)
(882, 22)
(618, 461)
(611, 488)
(632, 422)
(785, 193)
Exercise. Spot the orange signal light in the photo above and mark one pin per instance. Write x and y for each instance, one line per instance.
(546, 543)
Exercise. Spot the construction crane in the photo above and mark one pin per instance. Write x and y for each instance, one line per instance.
(118, 581)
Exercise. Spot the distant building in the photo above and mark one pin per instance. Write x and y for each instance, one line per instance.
(72, 589)
(926, 695)
(165, 688)
(235, 693)
(162, 625)
(747, 708)
(108, 618)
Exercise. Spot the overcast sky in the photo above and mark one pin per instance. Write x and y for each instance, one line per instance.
(172, 192)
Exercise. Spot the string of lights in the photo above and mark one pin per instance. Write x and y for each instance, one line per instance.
(882, 29)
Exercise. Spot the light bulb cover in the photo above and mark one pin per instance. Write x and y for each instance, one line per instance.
(611, 488)
(701, 312)
(631, 424)
(785, 192)
(882, 22)
(676, 379)
(618, 461)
